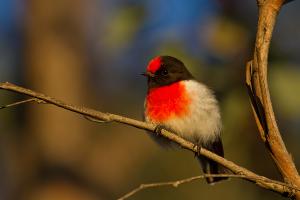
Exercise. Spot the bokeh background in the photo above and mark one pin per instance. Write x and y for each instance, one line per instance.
(91, 52)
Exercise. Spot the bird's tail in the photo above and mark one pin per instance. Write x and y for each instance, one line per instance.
(212, 167)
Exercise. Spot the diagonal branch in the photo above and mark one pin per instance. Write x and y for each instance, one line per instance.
(261, 181)
(256, 80)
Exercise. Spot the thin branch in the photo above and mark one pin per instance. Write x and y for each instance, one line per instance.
(236, 169)
(256, 79)
(21, 102)
(177, 183)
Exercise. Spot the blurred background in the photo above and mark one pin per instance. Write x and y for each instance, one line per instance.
(91, 52)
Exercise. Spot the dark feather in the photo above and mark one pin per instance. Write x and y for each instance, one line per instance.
(209, 166)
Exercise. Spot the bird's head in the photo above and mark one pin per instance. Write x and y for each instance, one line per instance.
(165, 70)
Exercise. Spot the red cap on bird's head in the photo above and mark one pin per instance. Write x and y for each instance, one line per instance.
(154, 64)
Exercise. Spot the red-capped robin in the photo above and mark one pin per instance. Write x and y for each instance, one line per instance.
(177, 102)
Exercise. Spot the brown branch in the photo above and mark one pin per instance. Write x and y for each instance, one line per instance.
(177, 183)
(236, 169)
(256, 80)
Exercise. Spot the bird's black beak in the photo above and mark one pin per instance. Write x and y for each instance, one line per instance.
(148, 74)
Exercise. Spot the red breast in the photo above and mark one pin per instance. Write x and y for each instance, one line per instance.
(163, 103)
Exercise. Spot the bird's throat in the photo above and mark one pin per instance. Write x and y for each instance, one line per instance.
(166, 102)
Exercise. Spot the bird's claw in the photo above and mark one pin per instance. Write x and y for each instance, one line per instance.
(198, 147)
(158, 129)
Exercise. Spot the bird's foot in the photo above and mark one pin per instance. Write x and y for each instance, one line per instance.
(198, 147)
(158, 129)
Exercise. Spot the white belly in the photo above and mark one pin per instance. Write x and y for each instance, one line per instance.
(202, 123)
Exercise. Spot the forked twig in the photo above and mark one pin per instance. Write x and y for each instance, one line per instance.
(257, 82)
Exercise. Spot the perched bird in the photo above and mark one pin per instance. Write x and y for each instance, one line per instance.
(177, 102)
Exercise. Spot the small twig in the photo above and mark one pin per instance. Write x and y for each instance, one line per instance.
(187, 180)
(173, 183)
(22, 102)
(259, 119)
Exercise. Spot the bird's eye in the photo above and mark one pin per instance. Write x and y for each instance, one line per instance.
(164, 72)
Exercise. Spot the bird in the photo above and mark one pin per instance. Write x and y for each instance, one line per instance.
(177, 102)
